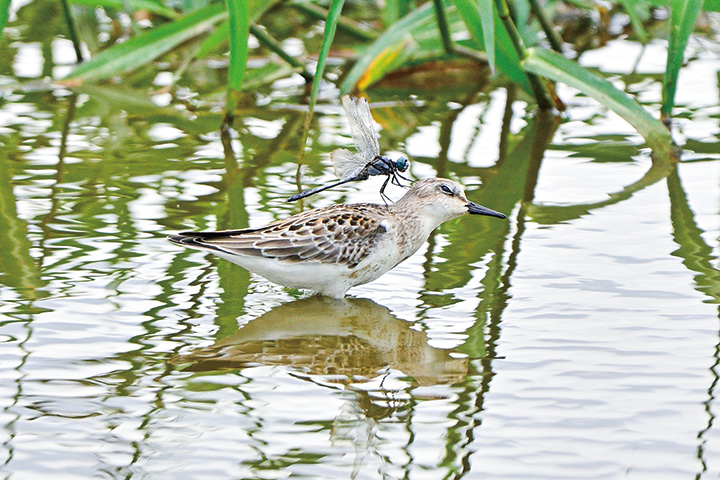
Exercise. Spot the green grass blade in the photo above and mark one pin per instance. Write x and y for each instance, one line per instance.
(146, 47)
(4, 14)
(330, 28)
(546, 24)
(135, 5)
(72, 31)
(587, 4)
(707, 5)
(415, 32)
(220, 34)
(352, 27)
(682, 20)
(239, 17)
(477, 15)
(274, 46)
(215, 40)
(556, 67)
(394, 10)
(398, 33)
(633, 8)
(487, 18)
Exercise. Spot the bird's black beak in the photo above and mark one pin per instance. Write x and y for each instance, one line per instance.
(476, 209)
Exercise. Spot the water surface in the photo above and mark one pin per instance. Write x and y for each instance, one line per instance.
(579, 339)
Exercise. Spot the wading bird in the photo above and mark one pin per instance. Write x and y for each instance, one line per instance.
(329, 250)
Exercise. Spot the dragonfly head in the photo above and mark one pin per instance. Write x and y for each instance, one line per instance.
(402, 163)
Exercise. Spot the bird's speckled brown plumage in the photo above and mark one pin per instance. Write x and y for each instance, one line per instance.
(331, 249)
(341, 234)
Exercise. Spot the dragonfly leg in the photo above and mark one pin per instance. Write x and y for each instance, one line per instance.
(382, 191)
(395, 180)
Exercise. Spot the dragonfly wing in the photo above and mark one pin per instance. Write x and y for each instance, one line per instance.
(362, 127)
(346, 163)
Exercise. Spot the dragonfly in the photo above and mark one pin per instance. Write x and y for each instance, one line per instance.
(353, 167)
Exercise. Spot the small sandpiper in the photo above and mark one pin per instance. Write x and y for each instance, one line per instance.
(329, 250)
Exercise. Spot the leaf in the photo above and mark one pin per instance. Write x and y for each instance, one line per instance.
(682, 20)
(393, 10)
(239, 17)
(711, 6)
(146, 47)
(633, 8)
(398, 34)
(215, 40)
(4, 14)
(134, 5)
(508, 60)
(707, 6)
(487, 18)
(330, 28)
(587, 4)
(556, 67)
(419, 34)
(478, 14)
(329, 35)
(389, 59)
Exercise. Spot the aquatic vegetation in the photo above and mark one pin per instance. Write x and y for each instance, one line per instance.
(519, 38)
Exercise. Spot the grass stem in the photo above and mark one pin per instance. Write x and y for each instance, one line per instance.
(542, 96)
(550, 33)
(72, 31)
(273, 45)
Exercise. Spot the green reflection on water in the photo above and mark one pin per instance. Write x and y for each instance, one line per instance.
(89, 187)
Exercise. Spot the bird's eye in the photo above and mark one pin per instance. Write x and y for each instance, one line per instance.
(446, 189)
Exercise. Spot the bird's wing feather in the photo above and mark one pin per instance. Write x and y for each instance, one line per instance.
(342, 234)
(362, 127)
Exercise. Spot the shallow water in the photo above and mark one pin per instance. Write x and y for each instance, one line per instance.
(579, 339)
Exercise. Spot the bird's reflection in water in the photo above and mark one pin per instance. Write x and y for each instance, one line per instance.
(356, 346)
(342, 340)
